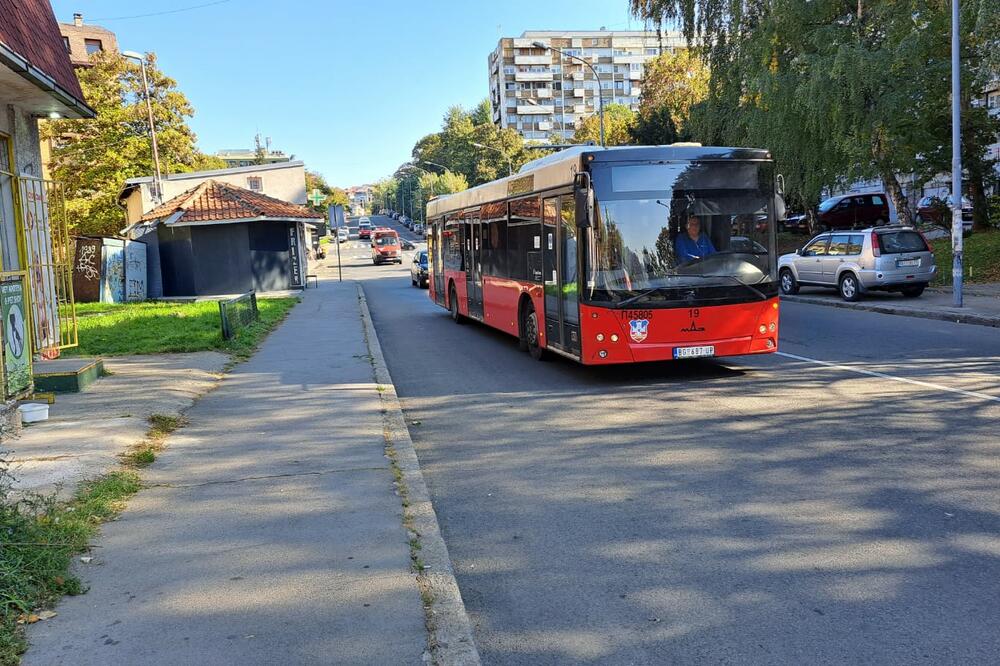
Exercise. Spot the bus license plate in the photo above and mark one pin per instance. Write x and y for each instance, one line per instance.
(908, 262)
(694, 352)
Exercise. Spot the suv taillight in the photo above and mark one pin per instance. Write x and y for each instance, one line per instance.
(876, 250)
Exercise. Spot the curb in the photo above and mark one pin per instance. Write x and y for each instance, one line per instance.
(944, 315)
(452, 642)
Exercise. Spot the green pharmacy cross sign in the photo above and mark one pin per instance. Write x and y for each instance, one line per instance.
(317, 198)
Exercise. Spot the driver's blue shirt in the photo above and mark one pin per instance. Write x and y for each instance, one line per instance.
(688, 249)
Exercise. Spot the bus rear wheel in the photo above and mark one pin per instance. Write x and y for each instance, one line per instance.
(456, 316)
(529, 333)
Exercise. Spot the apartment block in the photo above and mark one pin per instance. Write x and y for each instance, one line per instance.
(82, 40)
(541, 92)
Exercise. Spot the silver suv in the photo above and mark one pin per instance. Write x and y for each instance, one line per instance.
(890, 258)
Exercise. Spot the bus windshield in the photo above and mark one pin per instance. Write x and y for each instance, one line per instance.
(663, 226)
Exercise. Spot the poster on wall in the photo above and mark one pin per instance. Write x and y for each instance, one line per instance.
(38, 250)
(87, 270)
(16, 346)
(113, 276)
(135, 271)
(295, 267)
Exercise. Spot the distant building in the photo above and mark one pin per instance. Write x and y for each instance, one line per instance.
(241, 157)
(83, 40)
(360, 197)
(540, 92)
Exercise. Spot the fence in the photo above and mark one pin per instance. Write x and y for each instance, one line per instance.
(48, 257)
(237, 313)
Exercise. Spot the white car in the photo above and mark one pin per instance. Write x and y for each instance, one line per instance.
(343, 235)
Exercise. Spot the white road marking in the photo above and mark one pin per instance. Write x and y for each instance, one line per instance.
(882, 375)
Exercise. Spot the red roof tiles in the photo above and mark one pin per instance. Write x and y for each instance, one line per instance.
(212, 201)
(29, 28)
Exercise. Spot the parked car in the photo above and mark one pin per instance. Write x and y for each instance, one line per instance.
(406, 245)
(418, 269)
(889, 258)
(937, 210)
(854, 211)
(418, 228)
(796, 222)
(343, 235)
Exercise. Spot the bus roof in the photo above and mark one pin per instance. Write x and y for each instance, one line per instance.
(559, 168)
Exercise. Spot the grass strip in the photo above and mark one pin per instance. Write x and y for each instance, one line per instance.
(159, 327)
(38, 538)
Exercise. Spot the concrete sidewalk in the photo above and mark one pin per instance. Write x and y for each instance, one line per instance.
(271, 533)
(981, 303)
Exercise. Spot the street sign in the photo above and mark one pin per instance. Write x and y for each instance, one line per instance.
(336, 215)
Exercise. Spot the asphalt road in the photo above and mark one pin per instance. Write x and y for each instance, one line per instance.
(752, 510)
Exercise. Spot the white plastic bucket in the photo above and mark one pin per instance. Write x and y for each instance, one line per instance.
(33, 412)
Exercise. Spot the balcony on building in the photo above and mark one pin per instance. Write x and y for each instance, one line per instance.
(533, 109)
(629, 59)
(533, 59)
(544, 93)
(533, 76)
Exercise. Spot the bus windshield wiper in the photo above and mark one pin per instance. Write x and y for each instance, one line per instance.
(640, 295)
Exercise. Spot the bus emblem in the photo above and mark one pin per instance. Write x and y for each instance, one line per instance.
(638, 329)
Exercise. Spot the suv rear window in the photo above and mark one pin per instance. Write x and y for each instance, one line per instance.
(896, 242)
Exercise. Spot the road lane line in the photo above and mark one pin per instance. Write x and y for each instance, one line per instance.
(882, 375)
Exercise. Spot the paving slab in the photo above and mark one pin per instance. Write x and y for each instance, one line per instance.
(271, 533)
(86, 431)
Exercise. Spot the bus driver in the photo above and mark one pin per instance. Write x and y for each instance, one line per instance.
(693, 244)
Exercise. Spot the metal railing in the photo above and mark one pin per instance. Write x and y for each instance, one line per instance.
(47, 257)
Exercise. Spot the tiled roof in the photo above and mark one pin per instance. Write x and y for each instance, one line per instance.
(29, 28)
(212, 201)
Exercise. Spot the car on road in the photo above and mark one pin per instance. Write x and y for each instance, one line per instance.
(418, 269)
(854, 211)
(888, 258)
(937, 210)
(364, 228)
(418, 228)
(343, 235)
(385, 247)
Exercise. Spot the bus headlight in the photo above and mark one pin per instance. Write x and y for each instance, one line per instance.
(600, 337)
(771, 327)
(762, 329)
(614, 337)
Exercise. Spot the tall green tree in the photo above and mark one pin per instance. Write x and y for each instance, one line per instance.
(655, 127)
(675, 82)
(619, 121)
(838, 91)
(93, 158)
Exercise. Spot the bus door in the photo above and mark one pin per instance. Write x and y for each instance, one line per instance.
(437, 261)
(474, 265)
(559, 252)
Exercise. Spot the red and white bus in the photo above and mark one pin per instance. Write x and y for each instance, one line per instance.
(617, 255)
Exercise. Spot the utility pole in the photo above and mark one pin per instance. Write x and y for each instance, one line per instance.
(956, 159)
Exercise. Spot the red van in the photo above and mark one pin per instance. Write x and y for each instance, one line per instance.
(386, 247)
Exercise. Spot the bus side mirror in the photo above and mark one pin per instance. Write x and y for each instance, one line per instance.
(584, 195)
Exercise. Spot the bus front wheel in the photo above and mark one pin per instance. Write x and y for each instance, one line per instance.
(529, 333)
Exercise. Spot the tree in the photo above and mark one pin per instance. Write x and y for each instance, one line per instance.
(618, 122)
(675, 82)
(655, 127)
(829, 87)
(93, 158)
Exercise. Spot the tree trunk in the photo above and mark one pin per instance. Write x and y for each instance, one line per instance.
(977, 193)
(895, 192)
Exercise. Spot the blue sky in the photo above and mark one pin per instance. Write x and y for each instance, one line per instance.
(348, 87)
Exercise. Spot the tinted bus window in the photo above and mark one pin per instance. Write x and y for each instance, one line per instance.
(494, 217)
(524, 257)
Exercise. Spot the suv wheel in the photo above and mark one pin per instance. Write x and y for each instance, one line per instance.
(848, 287)
(789, 285)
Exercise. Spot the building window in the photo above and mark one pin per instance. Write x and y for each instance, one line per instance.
(993, 100)
(93, 46)
(66, 43)
(652, 51)
(255, 183)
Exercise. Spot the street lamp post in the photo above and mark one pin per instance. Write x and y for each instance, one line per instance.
(133, 55)
(597, 77)
(956, 160)
(510, 163)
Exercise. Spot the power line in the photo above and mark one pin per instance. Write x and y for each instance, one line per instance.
(169, 11)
